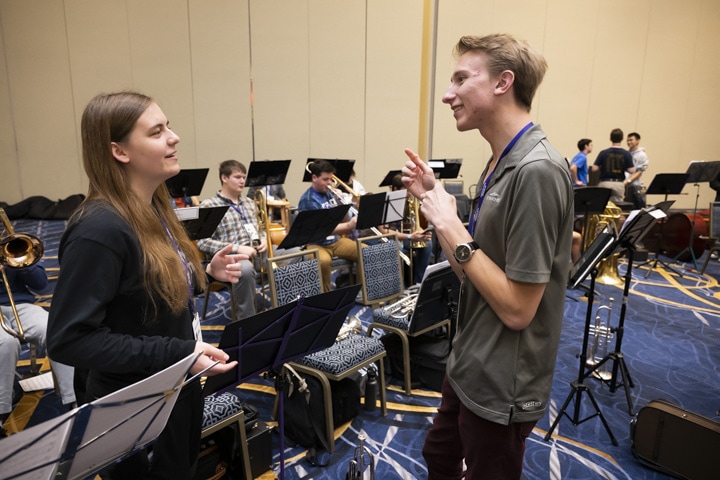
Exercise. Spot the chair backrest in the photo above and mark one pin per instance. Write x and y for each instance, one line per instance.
(379, 268)
(454, 187)
(714, 219)
(294, 275)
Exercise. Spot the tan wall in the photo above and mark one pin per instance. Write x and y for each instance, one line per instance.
(342, 80)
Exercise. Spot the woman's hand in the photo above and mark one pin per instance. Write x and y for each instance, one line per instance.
(226, 266)
(209, 356)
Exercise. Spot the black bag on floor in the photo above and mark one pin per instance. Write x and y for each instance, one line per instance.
(304, 408)
(220, 455)
(428, 359)
(675, 441)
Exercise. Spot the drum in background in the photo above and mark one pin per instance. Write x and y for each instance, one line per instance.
(674, 236)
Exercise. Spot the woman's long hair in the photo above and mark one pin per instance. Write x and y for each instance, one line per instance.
(110, 118)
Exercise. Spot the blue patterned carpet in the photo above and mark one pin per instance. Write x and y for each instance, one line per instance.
(671, 347)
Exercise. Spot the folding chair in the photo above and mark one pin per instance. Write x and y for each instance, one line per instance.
(379, 269)
(344, 357)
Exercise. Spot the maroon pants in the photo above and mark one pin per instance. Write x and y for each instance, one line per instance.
(490, 450)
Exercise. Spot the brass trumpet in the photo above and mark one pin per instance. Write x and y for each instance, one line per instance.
(17, 250)
(602, 334)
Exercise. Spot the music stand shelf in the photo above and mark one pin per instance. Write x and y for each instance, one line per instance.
(263, 173)
(187, 183)
(375, 209)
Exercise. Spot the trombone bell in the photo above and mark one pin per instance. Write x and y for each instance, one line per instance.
(18, 250)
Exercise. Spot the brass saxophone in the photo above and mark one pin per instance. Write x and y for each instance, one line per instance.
(414, 218)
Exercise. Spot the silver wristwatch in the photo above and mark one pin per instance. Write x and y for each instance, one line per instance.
(463, 251)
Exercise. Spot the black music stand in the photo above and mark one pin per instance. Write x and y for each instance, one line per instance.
(343, 168)
(437, 298)
(382, 208)
(665, 184)
(311, 226)
(635, 228)
(201, 222)
(446, 167)
(701, 171)
(387, 181)
(588, 263)
(590, 200)
(264, 173)
(188, 183)
(97, 434)
(268, 340)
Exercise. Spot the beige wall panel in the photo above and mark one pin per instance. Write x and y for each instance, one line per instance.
(97, 38)
(279, 41)
(454, 20)
(162, 67)
(220, 51)
(34, 39)
(99, 58)
(336, 62)
(663, 98)
(10, 191)
(617, 75)
(562, 102)
(698, 131)
(393, 87)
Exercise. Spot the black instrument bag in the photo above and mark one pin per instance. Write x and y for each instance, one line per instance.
(668, 438)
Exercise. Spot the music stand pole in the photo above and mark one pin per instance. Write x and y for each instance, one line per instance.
(578, 386)
(689, 248)
(664, 184)
(616, 355)
(657, 253)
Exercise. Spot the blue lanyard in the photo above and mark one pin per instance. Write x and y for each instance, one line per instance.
(234, 207)
(473, 220)
(188, 277)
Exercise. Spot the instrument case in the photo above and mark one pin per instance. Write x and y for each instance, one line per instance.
(675, 441)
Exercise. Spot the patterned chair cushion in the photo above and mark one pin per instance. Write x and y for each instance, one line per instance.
(296, 279)
(343, 355)
(220, 407)
(382, 316)
(381, 269)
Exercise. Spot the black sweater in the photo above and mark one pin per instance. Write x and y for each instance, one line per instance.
(99, 318)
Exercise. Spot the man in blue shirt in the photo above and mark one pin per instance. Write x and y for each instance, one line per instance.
(579, 165)
(320, 196)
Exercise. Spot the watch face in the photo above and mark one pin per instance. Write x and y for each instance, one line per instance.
(463, 252)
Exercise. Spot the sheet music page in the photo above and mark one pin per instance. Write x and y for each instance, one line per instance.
(129, 418)
(188, 213)
(29, 450)
(38, 382)
(434, 267)
(396, 206)
(628, 220)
